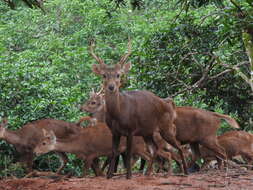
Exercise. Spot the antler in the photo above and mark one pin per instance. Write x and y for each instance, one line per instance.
(99, 60)
(101, 90)
(124, 58)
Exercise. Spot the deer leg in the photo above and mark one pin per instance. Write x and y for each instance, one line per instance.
(171, 139)
(212, 145)
(219, 161)
(142, 165)
(205, 164)
(108, 160)
(195, 153)
(106, 163)
(145, 156)
(115, 146)
(87, 165)
(134, 160)
(152, 146)
(129, 155)
(85, 168)
(174, 157)
(27, 162)
(168, 133)
(248, 157)
(166, 156)
(95, 167)
(195, 156)
(63, 159)
(161, 163)
(116, 164)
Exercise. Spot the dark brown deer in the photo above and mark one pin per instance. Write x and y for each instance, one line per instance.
(26, 138)
(235, 143)
(96, 106)
(133, 113)
(197, 126)
(90, 143)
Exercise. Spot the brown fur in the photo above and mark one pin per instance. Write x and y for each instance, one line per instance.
(96, 106)
(88, 144)
(197, 126)
(134, 113)
(234, 143)
(26, 138)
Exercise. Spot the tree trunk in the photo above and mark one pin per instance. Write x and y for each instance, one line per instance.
(248, 43)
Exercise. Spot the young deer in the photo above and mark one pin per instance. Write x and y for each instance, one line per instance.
(26, 138)
(95, 105)
(89, 144)
(134, 113)
(197, 126)
(234, 143)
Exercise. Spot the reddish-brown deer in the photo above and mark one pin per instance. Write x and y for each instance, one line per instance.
(235, 143)
(89, 144)
(95, 105)
(133, 113)
(27, 137)
(197, 126)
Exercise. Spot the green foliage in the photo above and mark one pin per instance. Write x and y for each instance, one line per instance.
(12, 169)
(46, 67)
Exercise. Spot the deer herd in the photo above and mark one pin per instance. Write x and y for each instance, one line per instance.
(132, 124)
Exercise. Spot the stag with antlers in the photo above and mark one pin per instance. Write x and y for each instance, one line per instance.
(133, 113)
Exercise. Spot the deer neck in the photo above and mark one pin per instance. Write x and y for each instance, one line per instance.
(68, 145)
(12, 137)
(112, 102)
(100, 114)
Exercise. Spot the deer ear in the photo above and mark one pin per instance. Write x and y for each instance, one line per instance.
(4, 122)
(52, 136)
(97, 69)
(45, 133)
(92, 93)
(126, 67)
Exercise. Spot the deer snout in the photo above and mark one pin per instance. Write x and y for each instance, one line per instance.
(37, 153)
(82, 108)
(111, 87)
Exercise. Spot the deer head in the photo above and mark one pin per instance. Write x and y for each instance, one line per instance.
(3, 127)
(47, 144)
(111, 74)
(95, 102)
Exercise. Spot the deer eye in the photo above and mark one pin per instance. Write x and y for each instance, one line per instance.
(104, 76)
(44, 143)
(93, 103)
(117, 75)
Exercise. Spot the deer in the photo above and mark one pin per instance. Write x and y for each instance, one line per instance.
(89, 144)
(95, 105)
(198, 127)
(26, 138)
(133, 113)
(235, 143)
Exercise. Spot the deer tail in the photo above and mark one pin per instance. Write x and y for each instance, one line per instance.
(232, 122)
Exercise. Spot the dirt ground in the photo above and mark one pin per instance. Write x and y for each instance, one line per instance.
(233, 179)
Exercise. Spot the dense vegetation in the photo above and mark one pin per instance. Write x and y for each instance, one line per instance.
(195, 51)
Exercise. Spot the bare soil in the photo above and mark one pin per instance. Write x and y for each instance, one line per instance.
(233, 179)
